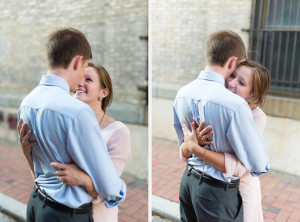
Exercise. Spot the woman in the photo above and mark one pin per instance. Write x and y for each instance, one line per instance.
(251, 81)
(95, 89)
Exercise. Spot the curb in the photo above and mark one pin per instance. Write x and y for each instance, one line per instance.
(13, 208)
(165, 208)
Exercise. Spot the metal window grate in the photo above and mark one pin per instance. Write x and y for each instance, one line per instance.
(275, 42)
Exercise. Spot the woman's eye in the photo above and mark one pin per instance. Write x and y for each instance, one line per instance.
(242, 83)
(88, 79)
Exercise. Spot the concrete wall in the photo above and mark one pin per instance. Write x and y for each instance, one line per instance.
(138, 165)
(282, 138)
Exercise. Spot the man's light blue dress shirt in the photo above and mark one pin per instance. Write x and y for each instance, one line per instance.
(67, 130)
(234, 131)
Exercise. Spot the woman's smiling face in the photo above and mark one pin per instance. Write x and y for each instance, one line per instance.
(88, 89)
(241, 82)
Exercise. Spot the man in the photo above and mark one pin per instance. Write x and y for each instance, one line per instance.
(205, 195)
(66, 131)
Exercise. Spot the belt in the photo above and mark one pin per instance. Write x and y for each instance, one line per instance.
(83, 209)
(212, 181)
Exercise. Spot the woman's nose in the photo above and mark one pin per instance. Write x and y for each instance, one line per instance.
(81, 82)
(232, 84)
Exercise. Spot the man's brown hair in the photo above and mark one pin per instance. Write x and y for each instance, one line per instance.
(64, 44)
(222, 45)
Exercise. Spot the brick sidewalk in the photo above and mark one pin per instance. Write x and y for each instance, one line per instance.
(280, 193)
(16, 182)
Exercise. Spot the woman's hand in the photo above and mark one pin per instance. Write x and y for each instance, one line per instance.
(26, 145)
(71, 174)
(203, 134)
(190, 137)
(24, 139)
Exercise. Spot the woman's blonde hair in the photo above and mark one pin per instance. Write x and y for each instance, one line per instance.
(261, 81)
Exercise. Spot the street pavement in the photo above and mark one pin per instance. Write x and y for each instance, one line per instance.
(5, 218)
(280, 192)
(16, 182)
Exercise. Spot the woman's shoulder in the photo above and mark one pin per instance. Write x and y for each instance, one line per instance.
(260, 118)
(257, 112)
(117, 126)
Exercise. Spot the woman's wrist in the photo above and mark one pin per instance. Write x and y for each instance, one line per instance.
(85, 181)
(27, 155)
(198, 150)
(195, 147)
(88, 184)
(26, 152)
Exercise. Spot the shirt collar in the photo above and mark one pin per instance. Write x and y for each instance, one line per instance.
(212, 76)
(53, 80)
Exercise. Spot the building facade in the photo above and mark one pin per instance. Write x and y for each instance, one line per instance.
(270, 31)
(118, 34)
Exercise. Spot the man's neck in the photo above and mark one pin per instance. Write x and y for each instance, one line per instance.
(63, 73)
(217, 69)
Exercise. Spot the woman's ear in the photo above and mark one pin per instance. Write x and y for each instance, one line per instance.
(251, 98)
(104, 93)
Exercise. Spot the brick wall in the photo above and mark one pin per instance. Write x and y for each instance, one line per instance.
(113, 29)
(180, 29)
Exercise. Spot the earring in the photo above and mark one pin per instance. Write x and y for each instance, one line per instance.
(99, 98)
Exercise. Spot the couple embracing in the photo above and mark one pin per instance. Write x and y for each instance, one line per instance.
(75, 150)
(224, 150)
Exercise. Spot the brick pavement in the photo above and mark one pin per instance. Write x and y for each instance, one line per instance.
(280, 192)
(16, 182)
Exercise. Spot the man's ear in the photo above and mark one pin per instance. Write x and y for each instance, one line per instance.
(232, 62)
(77, 62)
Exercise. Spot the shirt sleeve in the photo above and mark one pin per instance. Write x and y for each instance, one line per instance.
(88, 150)
(247, 141)
(119, 148)
(233, 166)
(178, 127)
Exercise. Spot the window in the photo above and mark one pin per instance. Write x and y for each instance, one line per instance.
(275, 42)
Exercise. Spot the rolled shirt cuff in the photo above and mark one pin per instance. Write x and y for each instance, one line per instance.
(118, 200)
(256, 174)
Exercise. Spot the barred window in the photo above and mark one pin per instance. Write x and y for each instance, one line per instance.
(275, 42)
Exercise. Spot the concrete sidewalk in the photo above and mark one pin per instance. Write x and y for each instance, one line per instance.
(16, 183)
(280, 193)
